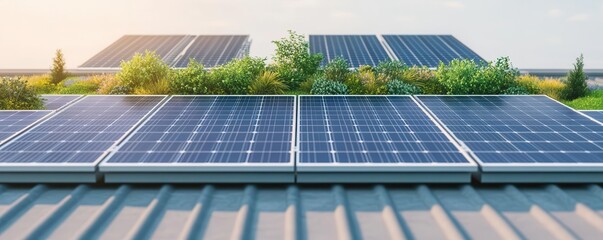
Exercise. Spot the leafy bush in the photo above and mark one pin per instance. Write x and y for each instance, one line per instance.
(293, 61)
(157, 88)
(41, 84)
(468, 77)
(425, 79)
(354, 84)
(371, 83)
(109, 84)
(390, 70)
(306, 86)
(337, 69)
(575, 85)
(236, 75)
(328, 87)
(194, 79)
(58, 73)
(551, 87)
(16, 95)
(398, 87)
(89, 86)
(530, 83)
(267, 83)
(142, 70)
(516, 90)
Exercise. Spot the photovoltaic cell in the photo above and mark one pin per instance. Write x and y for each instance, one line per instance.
(80, 133)
(54, 102)
(597, 115)
(429, 50)
(213, 130)
(213, 50)
(13, 122)
(520, 130)
(357, 50)
(371, 131)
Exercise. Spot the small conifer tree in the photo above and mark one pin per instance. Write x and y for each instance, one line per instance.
(58, 72)
(575, 86)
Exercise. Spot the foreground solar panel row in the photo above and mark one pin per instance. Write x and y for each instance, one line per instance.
(339, 139)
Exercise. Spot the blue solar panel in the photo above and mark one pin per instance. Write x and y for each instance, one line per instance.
(13, 122)
(371, 131)
(358, 50)
(54, 102)
(428, 50)
(80, 133)
(520, 130)
(213, 51)
(597, 115)
(213, 130)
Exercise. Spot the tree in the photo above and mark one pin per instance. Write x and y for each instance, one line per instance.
(293, 61)
(58, 72)
(576, 86)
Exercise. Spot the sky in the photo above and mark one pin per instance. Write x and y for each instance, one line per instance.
(534, 34)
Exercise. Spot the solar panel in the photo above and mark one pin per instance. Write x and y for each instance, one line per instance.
(75, 138)
(54, 102)
(215, 50)
(359, 134)
(521, 133)
(211, 134)
(356, 49)
(595, 114)
(428, 50)
(14, 122)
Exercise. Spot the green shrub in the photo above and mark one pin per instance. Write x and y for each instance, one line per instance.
(468, 77)
(530, 83)
(371, 83)
(293, 61)
(337, 69)
(575, 86)
(110, 85)
(390, 70)
(551, 87)
(516, 90)
(267, 84)
(398, 87)
(354, 84)
(194, 79)
(328, 87)
(41, 84)
(142, 70)
(160, 87)
(16, 95)
(236, 75)
(425, 79)
(58, 73)
(306, 86)
(89, 86)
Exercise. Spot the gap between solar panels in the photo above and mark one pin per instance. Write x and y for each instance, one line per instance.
(523, 138)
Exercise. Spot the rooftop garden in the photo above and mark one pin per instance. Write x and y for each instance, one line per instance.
(296, 71)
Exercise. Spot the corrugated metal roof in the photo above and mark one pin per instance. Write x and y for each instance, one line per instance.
(301, 212)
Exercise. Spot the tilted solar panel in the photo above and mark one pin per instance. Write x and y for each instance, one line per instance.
(213, 50)
(522, 134)
(357, 50)
(14, 121)
(385, 134)
(597, 115)
(75, 138)
(205, 134)
(54, 102)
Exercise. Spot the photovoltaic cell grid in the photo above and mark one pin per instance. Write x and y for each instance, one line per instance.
(214, 130)
(519, 129)
(370, 129)
(80, 133)
(356, 49)
(429, 50)
(54, 102)
(13, 122)
(598, 115)
(212, 51)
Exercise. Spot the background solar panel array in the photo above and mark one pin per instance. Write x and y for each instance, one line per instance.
(356, 49)
(214, 129)
(210, 50)
(428, 50)
(373, 129)
(598, 115)
(54, 102)
(80, 133)
(519, 129)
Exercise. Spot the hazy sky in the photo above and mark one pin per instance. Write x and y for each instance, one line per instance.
(535, 34)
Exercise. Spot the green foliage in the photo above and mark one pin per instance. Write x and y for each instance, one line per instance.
(142, 70)
(293, 61)
(468, 77)
(58, 73)
(89, 86)
(41, 84)
(425, 79)
(592, 101)
(236, 75)
(328, 87)
(354, 84)
(390, 70)
(267, 84)
(551, 87)
(371, 84)
(337, 69)
(530, 83)
(306, 86)
(516, 90)
(194, 79)
(160, 87)
(398, 87)
(575, 86)
(16, 95)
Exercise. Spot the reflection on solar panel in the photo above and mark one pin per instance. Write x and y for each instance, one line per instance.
(13, 122)
(428, 50)
(374, 134)
(211, 134)
(75, 138)
(214, 50)
(522, 134)
(54, 102)
(597, 115)
(356, 49)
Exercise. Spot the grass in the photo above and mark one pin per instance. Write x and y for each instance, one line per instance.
(592, 101)
(296, 92)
